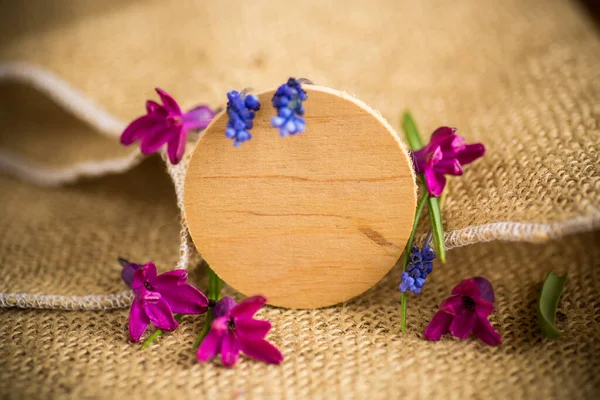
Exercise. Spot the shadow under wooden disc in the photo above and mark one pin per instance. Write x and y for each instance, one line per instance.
(309, 220)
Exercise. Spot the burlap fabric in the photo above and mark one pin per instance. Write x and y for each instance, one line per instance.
(523, 77)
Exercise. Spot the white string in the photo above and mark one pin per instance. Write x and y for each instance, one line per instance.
(64, 95)
(532, 232)
(54, 302)
(177, 172)
(33, 172)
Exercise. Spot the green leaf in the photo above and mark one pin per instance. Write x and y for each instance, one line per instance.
(205, 328)
(437, 228)
(435, 210)
(548, 301)
(215, 284)
(411, 132)
(409, 244)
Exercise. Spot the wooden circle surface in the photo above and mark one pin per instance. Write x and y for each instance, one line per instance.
(309, 220)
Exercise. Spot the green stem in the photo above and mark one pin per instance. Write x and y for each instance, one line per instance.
(435, 209)
(158, 332)
(205, 328)
(214, 285)
(435, 215)
(214, 293)
(409, 244)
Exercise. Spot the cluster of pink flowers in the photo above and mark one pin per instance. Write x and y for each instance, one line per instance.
(466, 312)
(445, 154)
(234, 329)
(166, 124)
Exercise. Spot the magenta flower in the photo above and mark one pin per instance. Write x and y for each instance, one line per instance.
(445, 154)
(166, 124)
(466, 311)
(234, 329)
(158, 297)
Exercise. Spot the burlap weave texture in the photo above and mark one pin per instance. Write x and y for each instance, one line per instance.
(521, 76)
(351, 351)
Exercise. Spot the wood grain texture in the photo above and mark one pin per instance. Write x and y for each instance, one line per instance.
(309, 220)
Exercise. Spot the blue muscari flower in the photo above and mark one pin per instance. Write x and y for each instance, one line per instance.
(241, 109)
(288, 101)
(428, 254)
(408, 283)
(419, 266)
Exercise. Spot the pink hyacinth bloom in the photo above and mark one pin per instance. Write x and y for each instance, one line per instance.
(445, 154)
(166, 124)
(466, 311)
(234, 329)
(158, 297)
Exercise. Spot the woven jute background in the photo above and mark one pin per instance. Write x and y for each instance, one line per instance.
(354, 350)
(523, 77)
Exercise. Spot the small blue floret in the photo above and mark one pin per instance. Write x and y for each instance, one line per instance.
(417, 269)
(288, 101)
(241, 110)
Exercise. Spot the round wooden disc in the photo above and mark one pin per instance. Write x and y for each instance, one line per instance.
(309, 220)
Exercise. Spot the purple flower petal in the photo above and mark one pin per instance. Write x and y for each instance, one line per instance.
(470, 153)
(485, 332)
(176, 146)
(224, 306)
(486, 290)
(220, 324)
(449, 167)
(169, 102)
(442, 134)
(149, 271)
(483, 308)
(173, 277)
(434, 156)
(452, 146)
(435, 182)
(153, 107)
(248, 307)
(261, 350)
(157, 138)
(230, 349)
(138, 321)
(210, 346)
(252, 328)
(439, 326)
(467, 287)
(184, 299)
(139, 279)
(198, 118)
(462, 324)
(140, 128)
(160, 314)
(453, 305)
(128, 271)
